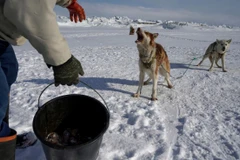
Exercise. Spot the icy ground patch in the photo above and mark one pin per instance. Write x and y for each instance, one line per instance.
(198, 119)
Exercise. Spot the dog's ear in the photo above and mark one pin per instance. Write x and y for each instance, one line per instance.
(132, 30)
(155, 35)
(138, 29)
(229, 41)
(217, 40)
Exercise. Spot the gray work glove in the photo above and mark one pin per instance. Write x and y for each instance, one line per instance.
(68, 73)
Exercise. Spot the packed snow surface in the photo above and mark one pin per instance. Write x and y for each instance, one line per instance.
(198, 119)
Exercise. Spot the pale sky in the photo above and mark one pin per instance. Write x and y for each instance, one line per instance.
(209, 11)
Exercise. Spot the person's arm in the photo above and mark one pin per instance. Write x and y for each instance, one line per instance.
(64, 3)
(36, 21)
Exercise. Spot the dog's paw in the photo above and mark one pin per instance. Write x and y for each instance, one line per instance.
(136, 95)
(224, 70)
(170, 86)
(154, 99)
(210, 70)
(145, 83)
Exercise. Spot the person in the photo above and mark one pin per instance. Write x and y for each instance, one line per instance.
(35, 21)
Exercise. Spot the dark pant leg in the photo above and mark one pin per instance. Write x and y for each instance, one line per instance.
(8, 75)
(4, 101)
(10, 68)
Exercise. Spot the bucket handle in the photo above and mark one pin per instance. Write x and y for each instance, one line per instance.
(80, 82)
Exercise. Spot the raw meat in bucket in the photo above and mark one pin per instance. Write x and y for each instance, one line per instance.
(67, 138)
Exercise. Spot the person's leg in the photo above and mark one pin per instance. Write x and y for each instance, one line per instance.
(9, 68)
(8, 75)
(4, 100)
(6, 118)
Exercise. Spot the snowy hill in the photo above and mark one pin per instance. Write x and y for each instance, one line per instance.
(118, 21)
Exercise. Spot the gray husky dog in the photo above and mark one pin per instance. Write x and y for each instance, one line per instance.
(216, 51)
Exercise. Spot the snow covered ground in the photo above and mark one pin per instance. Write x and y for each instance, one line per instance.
(199, 119)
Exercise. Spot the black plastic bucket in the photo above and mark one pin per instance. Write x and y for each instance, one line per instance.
(85, 113)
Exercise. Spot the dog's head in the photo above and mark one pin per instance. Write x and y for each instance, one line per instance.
(145, 39)
(222, 45)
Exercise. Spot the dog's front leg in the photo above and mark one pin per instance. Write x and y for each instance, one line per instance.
(141, 81)
(212, 60)
(223, 63)
(216, 62)
(154, 88)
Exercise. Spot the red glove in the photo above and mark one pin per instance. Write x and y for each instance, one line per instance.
(76, 11)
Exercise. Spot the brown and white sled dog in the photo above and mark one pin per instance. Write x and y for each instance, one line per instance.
(153, 60)
(216, 51)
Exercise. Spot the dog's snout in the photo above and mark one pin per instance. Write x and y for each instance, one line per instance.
(223, 48)
(136, 41)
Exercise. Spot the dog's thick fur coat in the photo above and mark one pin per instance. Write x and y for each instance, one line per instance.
(216, 51)
(153, 60)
